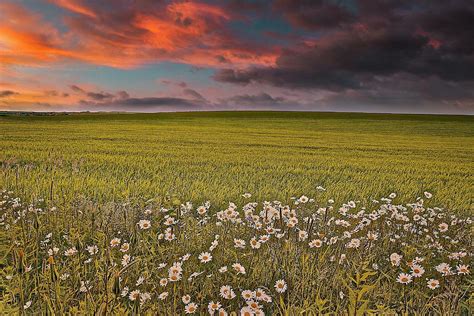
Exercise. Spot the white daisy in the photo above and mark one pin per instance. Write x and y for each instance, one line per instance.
(280, 286)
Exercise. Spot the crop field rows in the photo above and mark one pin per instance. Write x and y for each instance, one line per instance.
(217, 156)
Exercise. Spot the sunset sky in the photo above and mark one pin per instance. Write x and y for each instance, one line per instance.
(313, 55)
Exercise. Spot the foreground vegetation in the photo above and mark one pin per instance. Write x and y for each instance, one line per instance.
(166, 257)
(97, 222)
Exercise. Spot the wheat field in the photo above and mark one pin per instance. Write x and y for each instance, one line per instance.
(217, 156)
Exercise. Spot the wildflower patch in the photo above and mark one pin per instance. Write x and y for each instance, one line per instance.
(163, 257)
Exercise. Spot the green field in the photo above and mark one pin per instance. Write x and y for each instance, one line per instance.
(107, 239)
(217, 156)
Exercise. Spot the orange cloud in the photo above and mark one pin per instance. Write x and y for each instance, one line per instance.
(25, 38)
(75, 6)
(187, 32)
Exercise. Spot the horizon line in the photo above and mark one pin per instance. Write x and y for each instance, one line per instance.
(221, 111)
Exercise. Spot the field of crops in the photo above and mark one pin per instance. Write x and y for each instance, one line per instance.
(236, 213)
(217, 156)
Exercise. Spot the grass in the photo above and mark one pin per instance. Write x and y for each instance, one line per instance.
(219, 155)
(97, 223)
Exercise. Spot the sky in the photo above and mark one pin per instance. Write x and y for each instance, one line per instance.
(392, 56)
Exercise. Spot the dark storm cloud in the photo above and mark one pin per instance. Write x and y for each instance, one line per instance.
(193, 94)
(181, 84)
(367, 45)
(123, 95)
(54, 93)
(348, 59)
(315, 14)
(123, 101)
(452, 28)
(222, 59)
(406, 94)
(147, 104)
(76, 88)
(156, 102)
(258, 100)
(100, 96)
(289, 78)
(246, 6)
(7, 93)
